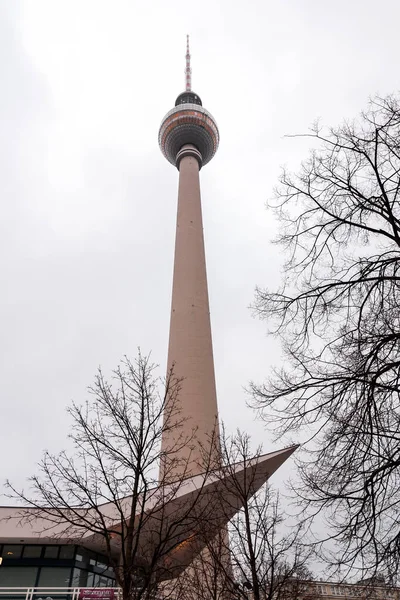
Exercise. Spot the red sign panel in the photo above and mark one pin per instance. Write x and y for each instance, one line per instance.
(96, 594)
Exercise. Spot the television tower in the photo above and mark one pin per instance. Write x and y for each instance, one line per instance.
(188, 139)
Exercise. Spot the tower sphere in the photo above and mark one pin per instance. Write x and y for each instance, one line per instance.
(188, 123)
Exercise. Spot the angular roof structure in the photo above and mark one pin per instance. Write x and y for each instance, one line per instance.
(183, 508)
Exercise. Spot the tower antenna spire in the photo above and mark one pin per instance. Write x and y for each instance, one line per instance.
(188, 70)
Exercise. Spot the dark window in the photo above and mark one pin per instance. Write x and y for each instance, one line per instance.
(67, 552)
(100, 580)
(17, 576)
(32, 551)
(79, 578)
(85, 556)
(57, 576)
(12, 551)
(51, 552)
(90, 579)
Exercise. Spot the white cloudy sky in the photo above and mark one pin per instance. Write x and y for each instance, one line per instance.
(88, 202)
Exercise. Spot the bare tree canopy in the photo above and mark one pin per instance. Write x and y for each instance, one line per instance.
(259, 555)
(100, 491)
(337, 316)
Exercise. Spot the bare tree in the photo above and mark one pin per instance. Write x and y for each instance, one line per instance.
(108, 489)
(260, 555)
(337, 315)
(209, 576)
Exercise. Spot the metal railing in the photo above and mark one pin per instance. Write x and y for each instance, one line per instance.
(58, 593)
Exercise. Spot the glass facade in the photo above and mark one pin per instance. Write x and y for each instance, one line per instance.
(17, 576)
(53, 565)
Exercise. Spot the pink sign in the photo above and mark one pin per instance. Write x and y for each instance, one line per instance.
(96, 594)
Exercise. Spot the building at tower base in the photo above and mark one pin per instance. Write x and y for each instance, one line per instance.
(36, 551)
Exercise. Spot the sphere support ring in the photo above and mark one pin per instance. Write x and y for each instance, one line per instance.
(189, 150)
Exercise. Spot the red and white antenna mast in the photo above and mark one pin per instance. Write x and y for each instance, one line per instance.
(188, 70)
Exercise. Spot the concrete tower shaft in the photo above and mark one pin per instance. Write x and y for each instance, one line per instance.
(190, 342)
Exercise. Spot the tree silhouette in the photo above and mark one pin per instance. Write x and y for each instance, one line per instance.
(337, 316)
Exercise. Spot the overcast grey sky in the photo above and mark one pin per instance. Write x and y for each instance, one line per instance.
(88, 203)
